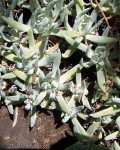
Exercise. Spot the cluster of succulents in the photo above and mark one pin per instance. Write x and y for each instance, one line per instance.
(30, 71)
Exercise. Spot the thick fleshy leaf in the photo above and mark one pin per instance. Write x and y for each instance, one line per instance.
(69, 74)
(117, 81)
(101, 77)
(19, 84)
(62, 104)
(100, 39)
(9, 75)
(71, 102)
(21, 75)
(109, 66)
(92, 128)
(46, 59)
(112, 136)
(33, 50)
(33, 116)
(72, 33)
(107, 111)
(116, 146)
(118, 122)
(83, 116)
(56, 62)
(9, 106)
(10, 56)
(116, 100)
(13, 98)
(31, 39)
(40, 97)
(72, 42)
(16, 25)
(69, 52)
(78, 129)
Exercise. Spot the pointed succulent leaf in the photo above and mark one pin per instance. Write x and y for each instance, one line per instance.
(21, 75)
(101, 77)
(112, 136)
(117, 81)
(92, 128)
(116, 100)
(107, 111)
(79, 129)
(13, 98)
(72, 42)
(62, 104)
(19, 84)
(33, 116)
(69, 74)
(118, 122)
(65, 118)
(89, 53)
(116, 146)
(31, 39)
(100, 39)
(9, 75)
(72, 33)
(69, 52)
(56, 62)
(33, 50)
(86, 102)
(10, 56)
(16, 25)
(40, 98)
(9, 106)
(109, 66)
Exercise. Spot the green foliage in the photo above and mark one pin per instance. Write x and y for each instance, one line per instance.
(27, 54)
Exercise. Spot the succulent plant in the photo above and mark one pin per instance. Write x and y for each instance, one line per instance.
(26, 55)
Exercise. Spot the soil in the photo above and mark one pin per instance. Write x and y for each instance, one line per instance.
(47, 134)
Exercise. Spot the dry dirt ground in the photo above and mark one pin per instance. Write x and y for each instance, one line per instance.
(47, 134)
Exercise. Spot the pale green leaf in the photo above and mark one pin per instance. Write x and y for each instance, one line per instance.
(112, 136)
(31, 39)
(72, 33)
(117, 81)
(21, 75)
(116, 146)
(10, 56)
(69, 74)
(62, 103)
(78, 128)
(33, 116)
(100, 39)
(9, 106)
(69, 52)
(118, 122)
(33, 50)
(16, 25)
(40, 97)
(101, 77)
(107, 111)
(9, 75)
(92, 128)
